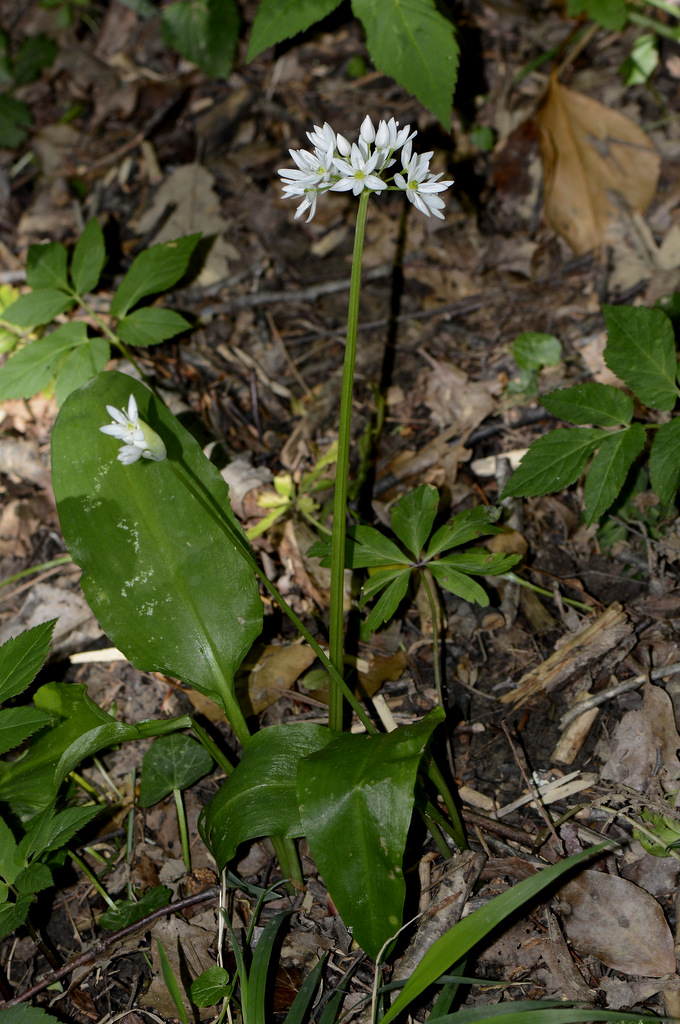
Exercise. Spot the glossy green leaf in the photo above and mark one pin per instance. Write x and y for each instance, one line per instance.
(277, 20)
(150, 325)
(81, 365)
(38, 307)
(210, 987)
(46, 266)
(21, 658)
(17, 724)
(608, 470)
(664, 461)
(459, 940)
(33, 366)
(260, 798)
(641, 351)
(128, 912)
(554, 461)
(356, 800)
(89, 258)
(415, 44)
(412, 517)
(471, 524)
(599, 404)
(533, 350)
(172, 762)
(155, 270)
(172, 590)
(206, 33)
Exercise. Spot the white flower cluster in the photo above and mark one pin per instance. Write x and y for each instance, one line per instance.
(139, 440)
(335, 165)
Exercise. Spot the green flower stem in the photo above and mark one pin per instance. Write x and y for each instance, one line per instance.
(212, 748)
(183, 831)
(112, 337)
(426, 580)
(289, 862)
(61, 560)
(438, 780)
(336, 639)
(437, 836)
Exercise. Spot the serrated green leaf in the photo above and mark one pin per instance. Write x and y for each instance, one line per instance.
(151, 325)
(51, 830)
(641, 351)
(46, 266)
(80, 366)
(205, 32)
(533, 350)
(415, 44)
(127, 912)
(21, 657)
(386, 605)
(599, 404)
(89, 257)
(554, 461)
(35, 878)
(31, 369)
(280, 19)
(24, 1014)
(458, 583)
(12, 916)
(11, 863)
(664, 462)
(39, 307)
(608, 470)
(210, 987)
(412, 517)
(17, 724)
(172, 762)
(154, 270)
(471, 524)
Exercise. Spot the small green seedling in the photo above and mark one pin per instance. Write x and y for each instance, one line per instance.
(532, 351)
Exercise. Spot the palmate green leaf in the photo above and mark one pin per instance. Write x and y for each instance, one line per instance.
(17, 724)
(155, 270)
(365, 547)
(554, 461)
(356, 800)
(151, 325)
(205, 32)
(415, 44)
(608, 470)
(599, 404)
(89, 257)
(21, 658)
(458, 583)
(260, 798)
(171, 589)
(479, 562)
(471, 524)
(280, 19)
(172, 762)
(641, 351)
(664, 462)
(38, 307)
(80, 365)
(412, 517)
(387, 603)
(46, 266)
(32, 368)
(460, 939)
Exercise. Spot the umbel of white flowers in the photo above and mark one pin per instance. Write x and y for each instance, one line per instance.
(139, 440)
(335, 165)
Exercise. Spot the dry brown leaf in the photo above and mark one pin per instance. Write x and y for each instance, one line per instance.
(590, 154)
(642, 740)
(619, 923)
(274, 672)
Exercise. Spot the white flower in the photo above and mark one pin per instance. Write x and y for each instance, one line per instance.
(314, 170)
(140, 441)
(322, 138)
(357, 173)
(419, 185)
(388, 138)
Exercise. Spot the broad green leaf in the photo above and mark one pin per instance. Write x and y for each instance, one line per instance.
(415, 44)
(12, 916)
(46, 266)
(32, 368)
(454, 944)
(80, 366)
(479, 562)
(386, 605)
(664, 462)
(173, 762)
(17, 724)
(458, 583)
(127, 912)
(150, 325)
(21, 657)
(89, 257)
(172, 590)
(154, 270)
(554, 461)
(210, 987)
(356, 801)
(470, 524)
(533, 350)
(641, 351)
(205, 32)
(280, 19)
(35, 878)
(260, 798)
(608, 470)
(412, 517)
(599, 404)
(38, 307)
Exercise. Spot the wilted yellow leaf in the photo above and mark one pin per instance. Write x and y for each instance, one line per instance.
(592, 157)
